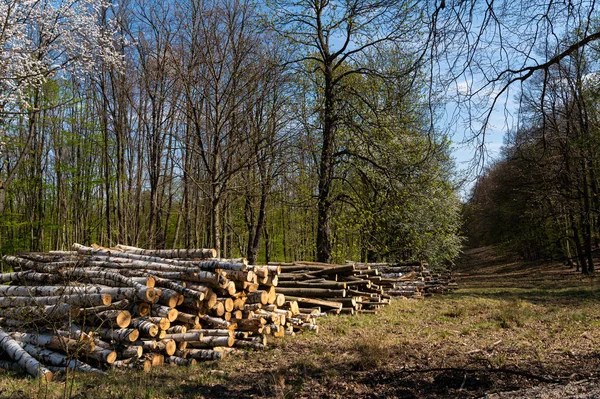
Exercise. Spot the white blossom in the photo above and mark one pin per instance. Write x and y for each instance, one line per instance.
(44, 38)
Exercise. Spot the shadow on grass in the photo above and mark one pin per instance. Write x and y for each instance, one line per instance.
(197, 386)
(350, 380)
(308, 377)
(218, 391)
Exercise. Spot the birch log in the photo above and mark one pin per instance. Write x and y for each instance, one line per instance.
(80, 301)
(171, 253)
(145, 327)
(52, 358)
(22, 358)
(55, 342)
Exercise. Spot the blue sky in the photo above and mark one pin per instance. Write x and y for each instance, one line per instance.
(464, 132)
(464, 153)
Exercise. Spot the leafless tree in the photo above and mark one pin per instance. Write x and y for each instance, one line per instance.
(483, 52)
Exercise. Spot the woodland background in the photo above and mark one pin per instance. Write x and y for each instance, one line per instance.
(285, 129)
(190, 124)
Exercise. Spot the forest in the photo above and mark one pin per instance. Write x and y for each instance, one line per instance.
(541, 197)
(285, 130)
(299, 198)
(192, 124)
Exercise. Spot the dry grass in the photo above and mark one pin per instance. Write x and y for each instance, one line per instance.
(504, 329)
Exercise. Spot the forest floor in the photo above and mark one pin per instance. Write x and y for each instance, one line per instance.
(512, 329)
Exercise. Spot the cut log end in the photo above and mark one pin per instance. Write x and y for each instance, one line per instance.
(123, 319)
(144, 309)
(172, 315)
(106, 299)
(111, 357)
(47, 375)
(134, 335)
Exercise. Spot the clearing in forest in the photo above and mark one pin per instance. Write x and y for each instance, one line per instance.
(513, 329)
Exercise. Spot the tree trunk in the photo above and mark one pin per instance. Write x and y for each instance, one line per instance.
(260, 227)
(58, 359)
(578, 247)
(267, 244)
(216, 225)
(83, 300)
(205, 354)
(326, 168)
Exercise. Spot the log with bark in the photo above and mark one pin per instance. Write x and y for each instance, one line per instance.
(21, 357)
(143, 308)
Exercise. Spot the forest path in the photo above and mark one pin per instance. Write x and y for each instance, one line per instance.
(490, 267)
(490, 272)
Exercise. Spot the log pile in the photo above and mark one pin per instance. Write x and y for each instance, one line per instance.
(357, 287)
(94, 308)
(412, 279)
(323, 288)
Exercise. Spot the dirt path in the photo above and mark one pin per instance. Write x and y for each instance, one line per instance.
(483, 270)
(487, 267)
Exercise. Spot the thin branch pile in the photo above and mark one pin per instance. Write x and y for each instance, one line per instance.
(93, 308)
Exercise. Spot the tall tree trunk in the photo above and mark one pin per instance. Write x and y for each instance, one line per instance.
(284, 234)
(586, 219)
(259, 228)
(267, 245)
(216, 225)
(578, 247)
(249, 219)
(326, 172)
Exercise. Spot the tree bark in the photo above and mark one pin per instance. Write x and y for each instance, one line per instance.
(58, 359)
(22, 358)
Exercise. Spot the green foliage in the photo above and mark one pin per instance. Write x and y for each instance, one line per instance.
(397, 199)
(125, 157)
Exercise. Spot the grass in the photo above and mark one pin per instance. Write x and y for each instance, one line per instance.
(486, 337)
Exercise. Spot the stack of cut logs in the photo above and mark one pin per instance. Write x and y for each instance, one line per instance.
(125, 307)
(94, 308)
(412, 279)
(351, 288)
(357, 287)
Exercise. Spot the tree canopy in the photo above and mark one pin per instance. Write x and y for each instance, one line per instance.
(296, 129)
